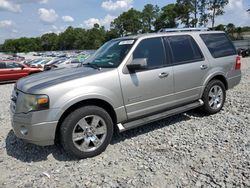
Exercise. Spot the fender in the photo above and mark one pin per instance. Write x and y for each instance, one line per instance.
(84, 93)
(210, 77)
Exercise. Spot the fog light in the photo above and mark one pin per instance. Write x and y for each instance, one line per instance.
(24, 131)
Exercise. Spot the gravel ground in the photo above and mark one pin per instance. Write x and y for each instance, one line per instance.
(187, 150)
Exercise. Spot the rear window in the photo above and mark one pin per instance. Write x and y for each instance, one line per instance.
(218, 44)
(184, 49)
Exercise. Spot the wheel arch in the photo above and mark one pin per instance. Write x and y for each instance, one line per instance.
(217, 76)
(95, 102)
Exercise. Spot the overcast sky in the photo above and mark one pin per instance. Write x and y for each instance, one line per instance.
(35, 17)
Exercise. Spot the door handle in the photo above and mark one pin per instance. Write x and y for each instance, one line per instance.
(163, 75)
(203, 67)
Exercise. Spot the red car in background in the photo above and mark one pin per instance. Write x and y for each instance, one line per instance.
(12, 71)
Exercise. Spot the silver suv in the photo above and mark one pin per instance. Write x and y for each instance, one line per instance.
(128, 82)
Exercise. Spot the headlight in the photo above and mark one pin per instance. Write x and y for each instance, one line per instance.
(27, 103)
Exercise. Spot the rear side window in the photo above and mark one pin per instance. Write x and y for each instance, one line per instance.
(218, 44)
(184, 49)
(2, 65)
(152, 49)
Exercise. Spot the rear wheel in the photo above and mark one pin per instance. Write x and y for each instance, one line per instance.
(214, 97)
(86, 132)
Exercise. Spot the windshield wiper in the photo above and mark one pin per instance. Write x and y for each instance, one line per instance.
(94, 66)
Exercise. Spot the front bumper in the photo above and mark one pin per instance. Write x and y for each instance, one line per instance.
(31, 128)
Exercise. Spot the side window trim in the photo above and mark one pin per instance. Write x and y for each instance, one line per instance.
(184, 62)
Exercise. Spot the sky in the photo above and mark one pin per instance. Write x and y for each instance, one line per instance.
(31, 18)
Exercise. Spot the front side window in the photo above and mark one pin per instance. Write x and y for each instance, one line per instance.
(2, 65)
(111, 54)
(218, 44)
(184, 49)
(13, 65)
(152, 49)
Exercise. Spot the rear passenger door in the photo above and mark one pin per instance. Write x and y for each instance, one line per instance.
(189, 67)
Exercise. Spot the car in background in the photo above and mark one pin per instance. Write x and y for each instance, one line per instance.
(30, 62)
(53, 63)
(40, 64)
(70, 63)
(12, 71)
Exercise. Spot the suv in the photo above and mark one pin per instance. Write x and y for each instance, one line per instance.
(128, 82)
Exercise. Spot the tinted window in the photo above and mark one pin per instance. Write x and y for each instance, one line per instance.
(151, 49)
(218, 44)
(2, 65)
(13, 65)
(184, 49)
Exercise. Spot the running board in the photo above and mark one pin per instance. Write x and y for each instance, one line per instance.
(156, 117)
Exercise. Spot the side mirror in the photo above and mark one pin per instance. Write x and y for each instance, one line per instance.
(137, 64)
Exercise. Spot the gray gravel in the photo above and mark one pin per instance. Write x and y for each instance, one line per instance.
(187, 150)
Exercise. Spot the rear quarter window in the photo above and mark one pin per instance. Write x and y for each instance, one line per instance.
(218, 44)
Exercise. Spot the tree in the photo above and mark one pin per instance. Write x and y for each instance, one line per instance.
(220, 27)
(168, 17)
(49, 41)
(129, 22)
(184, 9)
(95, 37)
(149, 15)
(216, 7)
(239, 33)
(204, 15)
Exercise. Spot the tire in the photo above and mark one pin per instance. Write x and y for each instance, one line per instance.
(92, 130)
(214, 103)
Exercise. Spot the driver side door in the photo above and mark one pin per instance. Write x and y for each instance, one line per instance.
(148, 90)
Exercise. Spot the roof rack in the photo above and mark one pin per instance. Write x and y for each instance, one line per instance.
(183, 29)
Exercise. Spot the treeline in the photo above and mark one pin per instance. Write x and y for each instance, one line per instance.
(235, 33)
(184, 13)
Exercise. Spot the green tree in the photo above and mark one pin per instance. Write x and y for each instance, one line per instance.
(216, 7)
(129, 22)
(230, 29)
(111, 34)
(184, 10)
(49, 41)
(203, 14)
(168, 17)
(95, 37)
(239, 33)
(149, 15)
(220, 27)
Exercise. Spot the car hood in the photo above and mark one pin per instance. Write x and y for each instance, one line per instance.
(39, 81)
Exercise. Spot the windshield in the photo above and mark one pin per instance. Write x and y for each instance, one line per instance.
(111, 54)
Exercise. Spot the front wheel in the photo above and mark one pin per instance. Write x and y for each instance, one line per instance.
(214, 97)
(86, 132)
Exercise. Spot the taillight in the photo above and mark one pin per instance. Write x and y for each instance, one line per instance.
(238, 63)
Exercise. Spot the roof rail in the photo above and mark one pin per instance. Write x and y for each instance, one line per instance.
(183, 29)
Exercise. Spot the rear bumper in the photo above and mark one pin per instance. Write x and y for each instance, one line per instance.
(25, 128)
(233, 81)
